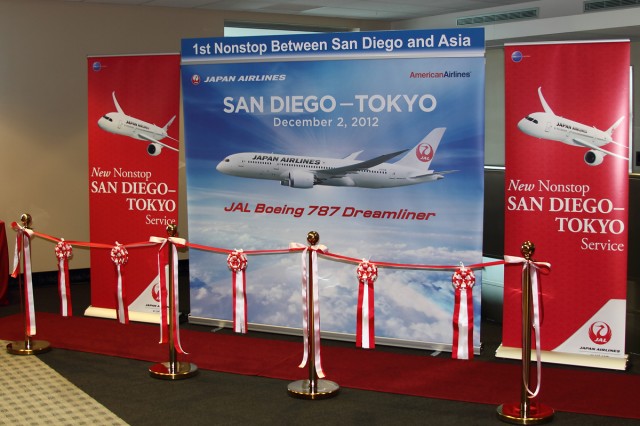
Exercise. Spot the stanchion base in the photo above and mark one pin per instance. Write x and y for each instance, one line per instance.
(181, 370)
(34, 347)
(302, 389)
(538, 414)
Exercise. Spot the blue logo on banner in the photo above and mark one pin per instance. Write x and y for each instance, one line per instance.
(517, 56)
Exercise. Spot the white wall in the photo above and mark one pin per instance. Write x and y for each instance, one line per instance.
(558, 21)
(43, 101)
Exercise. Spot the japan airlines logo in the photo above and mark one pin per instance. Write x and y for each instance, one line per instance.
(195, 79)
(600, 333)
(155, 293)
(424, 152)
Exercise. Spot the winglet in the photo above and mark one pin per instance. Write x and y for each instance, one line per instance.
(544, 103)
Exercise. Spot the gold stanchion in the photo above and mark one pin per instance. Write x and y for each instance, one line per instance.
(172, 369)
(28, 346)
(527, 411)
(312, 388)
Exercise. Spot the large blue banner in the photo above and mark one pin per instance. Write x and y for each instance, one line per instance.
(374, 140)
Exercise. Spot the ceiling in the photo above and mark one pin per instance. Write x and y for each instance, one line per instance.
(351, 9)
(399, 10)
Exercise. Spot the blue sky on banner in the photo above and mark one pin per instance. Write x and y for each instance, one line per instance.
(413, 305)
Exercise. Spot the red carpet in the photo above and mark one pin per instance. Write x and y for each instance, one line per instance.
(564, 389)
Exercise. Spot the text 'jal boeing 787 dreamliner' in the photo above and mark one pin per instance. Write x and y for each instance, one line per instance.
(547, 125)
(120, 123)
(306, 171)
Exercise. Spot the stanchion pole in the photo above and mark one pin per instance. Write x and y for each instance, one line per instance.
(314, 387)
(28, 346)
(527, 411)
(172, 369)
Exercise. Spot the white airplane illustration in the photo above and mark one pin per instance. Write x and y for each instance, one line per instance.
(547, 125)
(120, 123)
(304, 172)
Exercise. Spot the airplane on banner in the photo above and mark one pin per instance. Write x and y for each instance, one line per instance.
(120, 123)
(548, 125)
(306, 172)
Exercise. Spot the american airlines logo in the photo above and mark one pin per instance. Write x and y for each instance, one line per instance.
(424, 152)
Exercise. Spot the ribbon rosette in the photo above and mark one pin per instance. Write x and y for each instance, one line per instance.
(237, 262)
(315, 302)
(463, 280)
(365, 331)
(22, 250)
(119, 257)
(64, 251)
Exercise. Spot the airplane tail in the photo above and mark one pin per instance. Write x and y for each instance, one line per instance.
(613, 127)
(166, 126)
(115, 102)
(422, 154)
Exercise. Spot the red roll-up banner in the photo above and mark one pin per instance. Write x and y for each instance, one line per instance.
(566, 190)
(133, 110)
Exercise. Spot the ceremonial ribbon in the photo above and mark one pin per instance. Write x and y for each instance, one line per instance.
(163, 265)
(535, 296)
(463, 280)
(315, 302)
(365, 331)
(237, 262)
(63, 252)
(23, 237)
(120, 256)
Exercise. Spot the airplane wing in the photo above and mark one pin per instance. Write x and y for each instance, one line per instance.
(352, 168)
(152, 140)
(597, 148)
(446, 172)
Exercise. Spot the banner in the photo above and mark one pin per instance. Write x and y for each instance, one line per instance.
(374, 140)
(566, 189)
(133, 173)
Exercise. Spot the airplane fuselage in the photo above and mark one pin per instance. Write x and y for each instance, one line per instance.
(300, 171)
(549, 126)
(121, 124)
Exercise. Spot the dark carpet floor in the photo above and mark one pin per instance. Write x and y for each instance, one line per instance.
(211, 398)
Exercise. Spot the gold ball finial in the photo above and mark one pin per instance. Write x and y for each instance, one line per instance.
(172, 230)
(527, 249)
(26, 220)
(313, 237)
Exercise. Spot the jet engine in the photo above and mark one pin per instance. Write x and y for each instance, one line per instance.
(299, 179)
(154, 149)
(593, 157)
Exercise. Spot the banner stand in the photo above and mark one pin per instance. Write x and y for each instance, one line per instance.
(172, 369)
(313, 388)
(28, 346)
(527, 411)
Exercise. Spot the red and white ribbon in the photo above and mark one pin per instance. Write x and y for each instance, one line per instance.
(237, 262)
(365, 328)
(163, 266)
(22, 250)
(463, 280)
(64, 251)
(315, 303)
(535, 297)
(119, 257)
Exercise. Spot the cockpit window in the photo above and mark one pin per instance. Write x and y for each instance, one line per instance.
(533, 120)
(106, 117)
